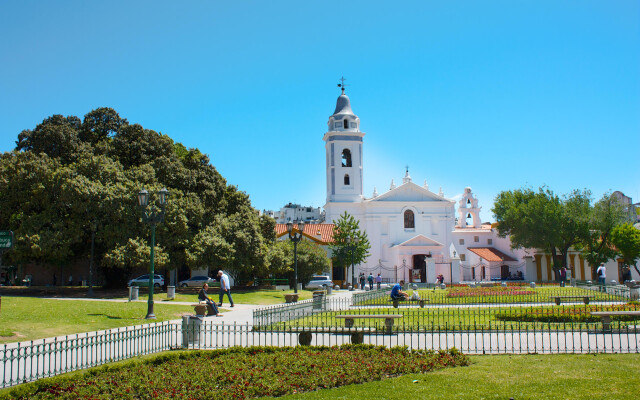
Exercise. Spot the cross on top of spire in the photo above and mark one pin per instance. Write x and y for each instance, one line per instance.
(342, 84)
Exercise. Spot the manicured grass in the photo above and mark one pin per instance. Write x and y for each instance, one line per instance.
(238, 373)
(567, 376)
(573, 317)
(257, 296)
(27, 318)
(500, 295)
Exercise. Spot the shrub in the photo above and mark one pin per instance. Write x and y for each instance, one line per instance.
(239, 373)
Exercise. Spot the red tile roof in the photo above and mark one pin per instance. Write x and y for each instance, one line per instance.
(491, 254)
(310, 230)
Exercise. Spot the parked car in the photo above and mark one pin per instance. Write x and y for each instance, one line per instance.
(197, 281)
(318, 282)
(143, 280)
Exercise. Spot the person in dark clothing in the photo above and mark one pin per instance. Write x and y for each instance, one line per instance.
(202, 296)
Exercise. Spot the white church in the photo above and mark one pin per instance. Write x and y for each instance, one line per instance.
(412, 230)
(414, 233)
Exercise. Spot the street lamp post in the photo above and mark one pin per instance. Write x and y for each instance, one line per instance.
(152, 216)
(353, 244)
(295, 238)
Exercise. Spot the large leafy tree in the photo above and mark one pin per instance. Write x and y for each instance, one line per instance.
(346, 229)
(67, 177)
(604, 216)
(541, 219)
(626, 239)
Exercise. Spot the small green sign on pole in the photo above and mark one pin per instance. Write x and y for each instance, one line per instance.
(6, 240)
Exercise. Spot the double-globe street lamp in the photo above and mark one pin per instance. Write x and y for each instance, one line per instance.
(353, 244)
(152, 216)
(295, 238)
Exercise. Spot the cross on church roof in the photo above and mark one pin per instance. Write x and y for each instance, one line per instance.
(342, 84)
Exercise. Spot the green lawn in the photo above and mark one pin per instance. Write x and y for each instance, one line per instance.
(257, 296)
(567, 376)
(27, 318)
(573, 317)
(498, 295)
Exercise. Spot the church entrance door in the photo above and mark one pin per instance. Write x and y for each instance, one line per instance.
(419, 273)
(504, 272)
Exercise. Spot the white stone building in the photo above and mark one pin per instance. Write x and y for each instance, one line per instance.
(296, 213)
(414, 232)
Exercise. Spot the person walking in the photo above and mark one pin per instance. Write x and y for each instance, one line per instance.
(224, 287)
(203, 297)
(601, 272)
(370, 280)
(563, 276)
(378, 281)
(362, 280)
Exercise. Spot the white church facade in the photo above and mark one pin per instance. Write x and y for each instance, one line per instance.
(416, 234)
(412, 230)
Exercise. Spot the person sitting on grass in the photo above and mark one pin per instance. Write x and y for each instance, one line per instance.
(202, 296)
(397, 293)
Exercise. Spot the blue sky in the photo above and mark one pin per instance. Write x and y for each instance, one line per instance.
(494, 95)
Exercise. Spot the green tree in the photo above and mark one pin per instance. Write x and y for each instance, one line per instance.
(543, 220)
(604, 216)
(626, 238)
(65, 177)
(101, 124)
(56, 136)
(312, 259)
(133, 254)
(347, 228)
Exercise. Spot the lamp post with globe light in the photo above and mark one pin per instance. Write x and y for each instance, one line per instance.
(153, 216)
(295, 238)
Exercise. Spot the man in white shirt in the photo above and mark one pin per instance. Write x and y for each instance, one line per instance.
(601, 272)
(224, 287)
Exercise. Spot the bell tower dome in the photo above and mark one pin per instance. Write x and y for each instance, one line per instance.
(343, 147)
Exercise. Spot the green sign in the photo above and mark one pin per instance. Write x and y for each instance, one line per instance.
(6, 240)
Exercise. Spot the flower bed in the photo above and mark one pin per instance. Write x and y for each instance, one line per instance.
(489, 291)
(565, 314)
(238, 373)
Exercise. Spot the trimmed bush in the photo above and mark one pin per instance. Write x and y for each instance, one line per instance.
(238, 373)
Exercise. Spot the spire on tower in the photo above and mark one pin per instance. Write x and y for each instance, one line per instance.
(342, 84)
(406, 178)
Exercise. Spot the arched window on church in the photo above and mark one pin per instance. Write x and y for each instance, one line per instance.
(346, 158)
(409, 221)
(346, 124)
(346, 180)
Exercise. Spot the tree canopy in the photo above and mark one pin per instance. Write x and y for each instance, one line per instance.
(67, 175)
(344, 250)
(626, 239)
(541, 219)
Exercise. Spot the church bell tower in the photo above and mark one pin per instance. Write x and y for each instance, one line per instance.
(343, 146)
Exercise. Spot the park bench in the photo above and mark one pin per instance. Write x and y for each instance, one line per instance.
(558, 299)
(388, 320)
(356, 332)
(605, 316)
(396, 302)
